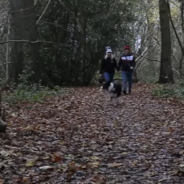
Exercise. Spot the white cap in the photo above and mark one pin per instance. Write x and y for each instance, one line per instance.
(108, 50)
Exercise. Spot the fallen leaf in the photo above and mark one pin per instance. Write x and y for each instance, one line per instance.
(79, 139)
(57, 158)
(4, 153)
(115, 165)
(30, 163)
(99, 179)
(95, 158)
(46, 168)
(26, 180)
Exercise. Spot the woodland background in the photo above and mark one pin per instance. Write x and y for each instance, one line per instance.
(61, 42)
(55, 124)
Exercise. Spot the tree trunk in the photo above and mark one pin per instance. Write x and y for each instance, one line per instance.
(166, 75)
(23, 27)
(151, 54)
(182, 25)
(2, 118)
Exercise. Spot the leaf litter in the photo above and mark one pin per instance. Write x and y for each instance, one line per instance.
(81, 138)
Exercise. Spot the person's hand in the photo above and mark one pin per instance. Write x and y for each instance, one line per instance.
(131, 68)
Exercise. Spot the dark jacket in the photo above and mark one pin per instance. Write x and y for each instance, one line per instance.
(108, 65)
(125, 62)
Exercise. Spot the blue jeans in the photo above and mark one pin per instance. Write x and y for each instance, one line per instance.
(127, 78)
(108, 76)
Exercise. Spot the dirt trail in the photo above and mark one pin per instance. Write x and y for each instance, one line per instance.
(80, 138)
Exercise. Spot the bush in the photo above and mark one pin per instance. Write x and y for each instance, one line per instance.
(29, 92)
(169, 90)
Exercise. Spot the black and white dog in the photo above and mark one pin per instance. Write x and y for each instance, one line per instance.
(114, 89)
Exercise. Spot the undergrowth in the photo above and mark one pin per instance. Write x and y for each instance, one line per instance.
(28, 92)
(169, 90)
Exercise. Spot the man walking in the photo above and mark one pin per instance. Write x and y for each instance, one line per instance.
(126, 65)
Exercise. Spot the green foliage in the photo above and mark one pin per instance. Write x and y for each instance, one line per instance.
(80, 31)
(29, 92)
(163, 91)
(148, 78)
(33, 95)
(169, 90)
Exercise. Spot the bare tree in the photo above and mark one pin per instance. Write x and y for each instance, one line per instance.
(4, 8)
(166, 75)
(2, 118)
(23, 27)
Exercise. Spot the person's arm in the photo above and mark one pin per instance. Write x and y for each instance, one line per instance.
(132, 64)
(102, 66)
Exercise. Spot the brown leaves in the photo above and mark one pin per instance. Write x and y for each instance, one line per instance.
(115, 165)
(81, 138)
(30, 163)
(56, 158)
(99, 179)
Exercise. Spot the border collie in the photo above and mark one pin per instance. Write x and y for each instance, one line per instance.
(114, 89)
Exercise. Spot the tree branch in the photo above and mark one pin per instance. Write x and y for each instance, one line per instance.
(175, 32)
(5, 64)
(174, 70)
(36, 2)
(54, 24)
(26, 41)
(45, 9)
(72, 15)
(140, 56)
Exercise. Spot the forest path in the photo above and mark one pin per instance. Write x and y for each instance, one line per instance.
(81, 138)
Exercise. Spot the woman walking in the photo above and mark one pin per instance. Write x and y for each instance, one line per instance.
(108, 66)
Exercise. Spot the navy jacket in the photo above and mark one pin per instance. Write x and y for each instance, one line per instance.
(125, 62)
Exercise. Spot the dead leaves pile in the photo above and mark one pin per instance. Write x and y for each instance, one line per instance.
(80, 138)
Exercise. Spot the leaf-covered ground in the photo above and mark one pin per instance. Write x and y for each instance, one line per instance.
(80, 138)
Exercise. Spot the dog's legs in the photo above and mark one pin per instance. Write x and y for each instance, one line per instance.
(117, 101)
(113, 100)
(101, 89)
(110, 97)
